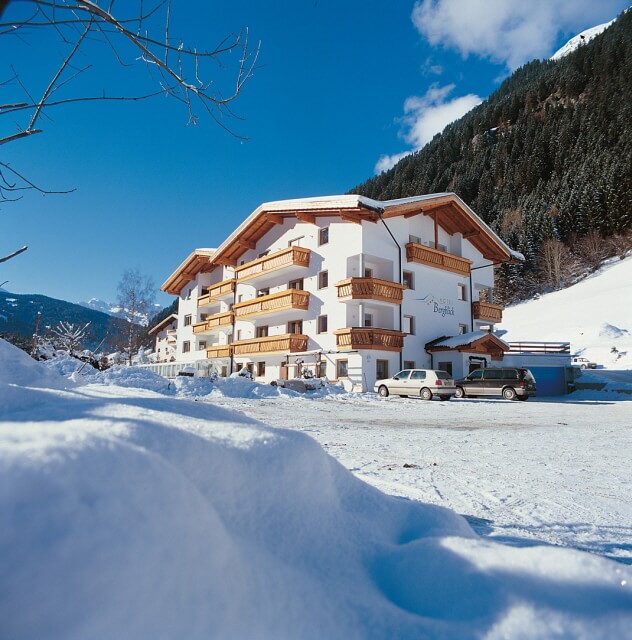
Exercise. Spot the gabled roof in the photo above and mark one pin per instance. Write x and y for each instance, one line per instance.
(198, 261)
(472, 342)
(161, 325)
(449, 211)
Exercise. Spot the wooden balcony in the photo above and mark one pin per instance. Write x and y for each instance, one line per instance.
(172, 335)
(219, 351)
(370, 289)
(214, 323)
(369, 338)
(439, 259)
(216, 292)
(273, 303)
(286, 343)
(290, 257)
(487, 311)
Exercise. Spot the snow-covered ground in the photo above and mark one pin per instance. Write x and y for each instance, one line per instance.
(135, 507)
(595, 315)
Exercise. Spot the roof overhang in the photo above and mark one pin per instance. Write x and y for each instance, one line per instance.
(478, 342)
(196, 262)
(161, 325)
(454, 216)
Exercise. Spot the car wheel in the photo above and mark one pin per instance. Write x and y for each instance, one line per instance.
(509, 393)
(460, 393)
(583, 366)
(382, 392)
(425, 394)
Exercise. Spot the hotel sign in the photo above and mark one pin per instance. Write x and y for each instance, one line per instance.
(443, 306)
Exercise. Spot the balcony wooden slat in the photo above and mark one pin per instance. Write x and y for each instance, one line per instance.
(487, 311)
(220, 351)
(292, 256)
(370, 289)
(369, 338)
(214, 322)
(286, 343)
(439, 259)
(217, 291)
(280, 301)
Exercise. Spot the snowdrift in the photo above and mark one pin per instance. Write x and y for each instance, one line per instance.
(130, 514)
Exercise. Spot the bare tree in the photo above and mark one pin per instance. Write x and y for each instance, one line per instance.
(134, 34)
(136, 294)
(69, 336)
(557, 264)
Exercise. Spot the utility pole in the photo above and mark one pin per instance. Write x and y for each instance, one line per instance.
(34, 345)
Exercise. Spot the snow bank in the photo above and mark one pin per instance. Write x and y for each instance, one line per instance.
(130, 514)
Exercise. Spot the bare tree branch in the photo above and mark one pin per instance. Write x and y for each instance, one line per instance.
(12, 255)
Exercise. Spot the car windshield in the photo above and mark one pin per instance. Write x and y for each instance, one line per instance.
(443, 375)
(402, 375)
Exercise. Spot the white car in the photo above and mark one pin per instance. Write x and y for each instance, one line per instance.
(584, 363)
(425, 383)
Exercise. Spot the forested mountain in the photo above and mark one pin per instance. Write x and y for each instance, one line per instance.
(18, 314)
(546, 158)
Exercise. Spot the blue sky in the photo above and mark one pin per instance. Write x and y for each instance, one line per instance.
(341, 90)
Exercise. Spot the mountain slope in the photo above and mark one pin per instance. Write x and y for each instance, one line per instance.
(18, 314)
(595, 315)
(547, 156)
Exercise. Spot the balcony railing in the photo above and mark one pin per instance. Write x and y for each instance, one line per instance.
(487, 311)
(216, 292)
(219, 351)
(370, 289)
(215, 322)
(172, 335)
(438, 259)
(292, 256)
(369, 338)
(286, 343)
(281, 301)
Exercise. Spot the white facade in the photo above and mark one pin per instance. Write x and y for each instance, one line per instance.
(390, 305)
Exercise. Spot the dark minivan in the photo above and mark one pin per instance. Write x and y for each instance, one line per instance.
(509, 382)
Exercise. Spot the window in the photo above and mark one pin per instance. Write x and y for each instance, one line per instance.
(295, 326)
(240, 298)
(261, 332)
(408, 325)
(296, 284)
(381, 369)
(409, 364)
(323, 279)
(445, 366)
(188, 296)
(440, 247)
(296, 242)
(261, 368)
(476, 375)
(342, 368)
(224, 373)
(462, 329)
(202, 345)
(415, 239)
(323, 235)
(187, 320)
(322, 369)
(368, 272)
(251, 367)
(462, 292)
(408, 279)
(203, 316)
(263, 292)
(263, 254)
(322, 324)
(368, 320)
(186, 347)
(418, 374)
(238, 334)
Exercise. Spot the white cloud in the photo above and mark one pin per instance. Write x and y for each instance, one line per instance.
(426, 116)
(507, 31)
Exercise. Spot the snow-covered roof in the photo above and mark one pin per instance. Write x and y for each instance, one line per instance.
(161, 325)
(465, 339)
